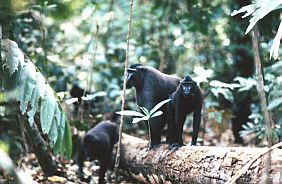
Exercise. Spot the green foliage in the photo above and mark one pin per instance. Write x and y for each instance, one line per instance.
(147, 114)
(273, 85)
(198, 38)
(30, 87)
(258, 128)
(224, 89)
(258, 10)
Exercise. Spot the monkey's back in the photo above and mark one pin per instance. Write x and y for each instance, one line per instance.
(162, 84)
(105, 131)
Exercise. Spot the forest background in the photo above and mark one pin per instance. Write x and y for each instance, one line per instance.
(83, 43)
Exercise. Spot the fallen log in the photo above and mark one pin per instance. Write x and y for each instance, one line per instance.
(195, 164)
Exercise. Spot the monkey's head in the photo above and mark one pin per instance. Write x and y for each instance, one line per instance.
(188, 86)
(134, 76)
(76, 91)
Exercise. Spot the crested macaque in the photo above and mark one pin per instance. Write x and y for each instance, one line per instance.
(152, 87)
(98, 144)
(187, 98)
(76, 92)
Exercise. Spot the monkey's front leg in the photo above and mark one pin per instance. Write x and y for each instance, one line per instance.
(196, 125)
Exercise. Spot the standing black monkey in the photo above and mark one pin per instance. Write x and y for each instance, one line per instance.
(152, 87)
(186, 99)
(98, 144)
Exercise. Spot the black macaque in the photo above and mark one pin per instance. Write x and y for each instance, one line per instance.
(76, 92)
(152, 87)
(98, 144)
(241, 112)
(187, 98)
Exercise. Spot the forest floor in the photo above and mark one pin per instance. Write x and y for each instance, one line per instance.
(29, 164)
(214, 135)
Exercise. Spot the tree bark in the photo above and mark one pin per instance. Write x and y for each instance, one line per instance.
(46, 162)
(194, 164)
(262, 98)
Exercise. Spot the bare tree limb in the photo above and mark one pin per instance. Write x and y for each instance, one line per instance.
(262, 97)
(123, 92)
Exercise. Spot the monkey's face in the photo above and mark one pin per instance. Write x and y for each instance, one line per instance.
(187, 88)
(131, 77)
(134, 77)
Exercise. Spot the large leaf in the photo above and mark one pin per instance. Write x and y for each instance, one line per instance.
(28, 86)
(40, 82)
(58, 147)
(274, 49)
(130, 113)
(67, 143)
(258, 10)
(246, 83)
(48, 104)
(12, 55)
(274, 103)
(159, 105)
(224, 91)
(93, 96)
(53, 132)
(216, 83)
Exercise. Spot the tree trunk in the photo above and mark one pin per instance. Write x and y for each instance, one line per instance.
(195, 164)
(40, 149)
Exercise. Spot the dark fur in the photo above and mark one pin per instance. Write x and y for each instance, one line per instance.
(179, 107)
(76, 92)
(152, 87)
(97, 144)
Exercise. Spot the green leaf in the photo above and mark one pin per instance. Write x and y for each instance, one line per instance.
(58, 147)
(38, 92)
(47, 110)
(67, 145)
(274, 49)
(158, 113)
(27, 83)
(274, 103)
(258, 10)
(246, 83)
(54, 130)
(130, 113)
(159, 105)
(137, 120)
(219, 84)
(13, 55)
(28, 86)
(224, 91)
(93, 96)
(144, 110)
